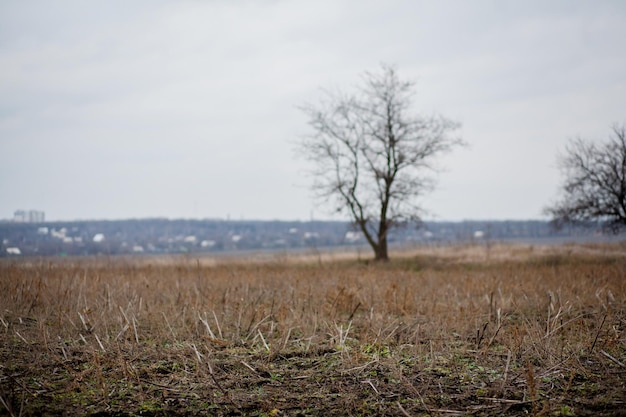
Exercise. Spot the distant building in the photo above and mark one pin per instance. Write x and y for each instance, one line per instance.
(30, 216)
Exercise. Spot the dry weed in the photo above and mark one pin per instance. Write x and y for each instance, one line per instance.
(438, 331)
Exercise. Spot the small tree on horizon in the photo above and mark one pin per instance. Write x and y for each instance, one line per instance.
(594, 188)
(373, 154)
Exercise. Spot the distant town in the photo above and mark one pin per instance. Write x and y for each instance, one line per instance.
(28, 234)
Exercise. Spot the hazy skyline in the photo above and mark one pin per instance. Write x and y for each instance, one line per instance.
(182, 109)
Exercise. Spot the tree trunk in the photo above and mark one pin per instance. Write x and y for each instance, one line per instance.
(380, 250)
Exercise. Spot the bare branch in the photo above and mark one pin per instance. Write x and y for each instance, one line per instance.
(595, 182)
(372, 154)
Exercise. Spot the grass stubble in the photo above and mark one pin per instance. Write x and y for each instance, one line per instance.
(508, 330)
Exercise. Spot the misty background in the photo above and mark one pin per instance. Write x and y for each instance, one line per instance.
(188, 109)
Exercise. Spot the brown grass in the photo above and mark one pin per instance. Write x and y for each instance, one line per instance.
(438, 331)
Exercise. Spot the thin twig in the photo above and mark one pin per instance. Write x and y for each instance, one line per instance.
(145, 381)
(263, 340)
(217, 384)
(21, 337)
(249, 367)
(613, 359)
(369, 381)
(597, 334)
(287, 338)
(358, 368)
(100, 343)
(170, 327)
(506, 370)
(134, 322)
(354, 311)
(448, 411)
(504, 400)
(205, 321)
(217, 323)
(6, 403)
(402, 410)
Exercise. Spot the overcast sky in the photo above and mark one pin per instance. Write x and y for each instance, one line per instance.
(188, 109)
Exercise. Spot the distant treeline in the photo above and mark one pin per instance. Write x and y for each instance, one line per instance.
(158, 236)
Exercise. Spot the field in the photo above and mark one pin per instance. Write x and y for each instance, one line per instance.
(504, 330)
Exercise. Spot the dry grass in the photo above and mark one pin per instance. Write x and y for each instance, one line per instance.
(438, 331)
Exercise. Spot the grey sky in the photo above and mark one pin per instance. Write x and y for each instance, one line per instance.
(189, 108)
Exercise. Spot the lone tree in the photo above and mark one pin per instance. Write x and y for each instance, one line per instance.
(372, 153)
(595, 182)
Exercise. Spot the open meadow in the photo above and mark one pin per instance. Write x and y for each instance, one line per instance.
(443, 331)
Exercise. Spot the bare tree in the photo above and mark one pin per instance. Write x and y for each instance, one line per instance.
(595, 182)
(372, 154)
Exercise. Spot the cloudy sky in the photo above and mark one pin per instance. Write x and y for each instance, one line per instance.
(181, 109)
